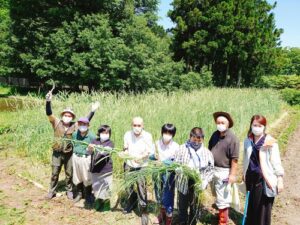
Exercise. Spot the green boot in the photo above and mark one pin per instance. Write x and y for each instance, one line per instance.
(98, 205)
(106, 205)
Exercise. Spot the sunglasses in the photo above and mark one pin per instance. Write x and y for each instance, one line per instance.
(136, 125)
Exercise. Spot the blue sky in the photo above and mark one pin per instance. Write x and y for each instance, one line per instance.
(287, 16)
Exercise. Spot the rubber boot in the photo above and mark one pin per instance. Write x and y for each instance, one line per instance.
(98, 204)
(144, 217)
(223, 216)
(79, 189)
(89, 198)
(106, 206)
(169, 220)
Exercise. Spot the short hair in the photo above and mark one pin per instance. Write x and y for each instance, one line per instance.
(103, 128)
(168, 128)
(197, 132)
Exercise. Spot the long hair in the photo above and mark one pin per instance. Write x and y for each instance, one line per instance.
(258, 118)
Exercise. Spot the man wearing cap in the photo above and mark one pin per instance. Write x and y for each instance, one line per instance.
(62, 150)
(224, 146)
(138, 144)
(82, 177)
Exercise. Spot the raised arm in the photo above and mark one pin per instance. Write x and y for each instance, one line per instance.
(51, 117)
(91, 114)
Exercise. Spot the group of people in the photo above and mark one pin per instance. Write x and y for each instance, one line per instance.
(89, 168)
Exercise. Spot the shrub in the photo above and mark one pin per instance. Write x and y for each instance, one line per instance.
(292, 96)
(194, 80)
(280, 82)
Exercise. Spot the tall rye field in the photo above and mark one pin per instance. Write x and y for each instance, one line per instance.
(33, 135)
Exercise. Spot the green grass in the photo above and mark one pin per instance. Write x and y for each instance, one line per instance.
(33, 135)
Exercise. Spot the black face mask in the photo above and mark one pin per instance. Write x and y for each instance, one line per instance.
(195, 145)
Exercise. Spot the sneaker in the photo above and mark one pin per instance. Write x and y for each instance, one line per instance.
(50, 195)
(70, 195)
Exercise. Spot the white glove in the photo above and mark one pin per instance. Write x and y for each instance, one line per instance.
(178, 171)
(49, 96)
(95, 106)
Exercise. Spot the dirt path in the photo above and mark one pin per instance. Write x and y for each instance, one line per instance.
(287, 207)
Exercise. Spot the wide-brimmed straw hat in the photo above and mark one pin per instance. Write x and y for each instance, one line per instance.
(68, 110)
(226, 115)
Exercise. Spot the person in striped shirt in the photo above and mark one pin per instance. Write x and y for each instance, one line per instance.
(195, 155)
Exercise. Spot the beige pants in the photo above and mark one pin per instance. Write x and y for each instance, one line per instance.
(220, 188)
(81, 170)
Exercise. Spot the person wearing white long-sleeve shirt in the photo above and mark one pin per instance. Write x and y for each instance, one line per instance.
(138, 144)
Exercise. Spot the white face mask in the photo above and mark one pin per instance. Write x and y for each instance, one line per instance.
(221, 127)
(83, 128)
(104, 137)
(137, 130)
(67, 119)
(166, 138)
(258, 131)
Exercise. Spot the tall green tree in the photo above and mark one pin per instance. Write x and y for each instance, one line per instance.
(85, 52)
(234, 39)
(5, 49)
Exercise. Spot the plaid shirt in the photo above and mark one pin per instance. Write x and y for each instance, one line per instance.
(205, 169)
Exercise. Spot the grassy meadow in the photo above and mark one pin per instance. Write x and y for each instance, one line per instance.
(33, 135)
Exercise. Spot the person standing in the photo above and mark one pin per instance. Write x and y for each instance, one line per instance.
(196, 156)
(166, 149)
(82, 161)
(102, 168)
(224, 146)
(262, 171)
(138, 144)
(63, 127)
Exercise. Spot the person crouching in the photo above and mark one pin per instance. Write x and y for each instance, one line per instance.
(82, 161)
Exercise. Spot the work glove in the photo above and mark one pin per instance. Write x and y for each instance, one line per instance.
(178, 171)
(49, 96)
(152, 157)
(167, 162)
(95, 106)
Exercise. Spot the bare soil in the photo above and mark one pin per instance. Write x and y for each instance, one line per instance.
(287, 204)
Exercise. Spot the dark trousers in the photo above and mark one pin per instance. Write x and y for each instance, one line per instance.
(188, 201)
(164, 191)
(60, 159)
(141, 194)
(259, 205)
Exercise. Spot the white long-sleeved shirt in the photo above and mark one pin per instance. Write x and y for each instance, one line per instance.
(139, 148)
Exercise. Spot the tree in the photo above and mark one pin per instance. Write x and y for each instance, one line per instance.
(234, 39)
(85, 52)
(5, 49)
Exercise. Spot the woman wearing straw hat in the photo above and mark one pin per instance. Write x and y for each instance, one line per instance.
(224, 146)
